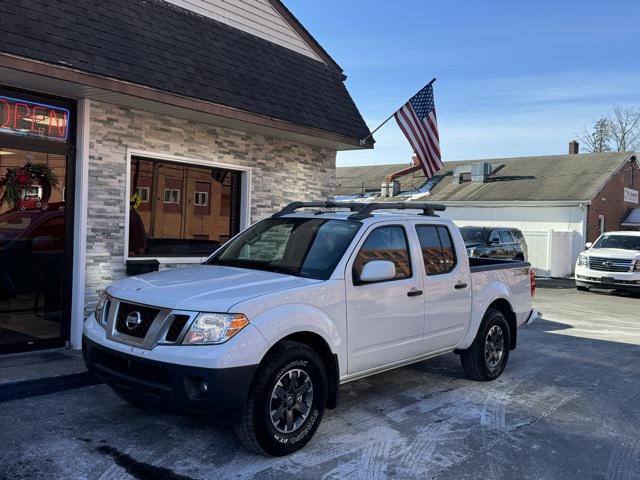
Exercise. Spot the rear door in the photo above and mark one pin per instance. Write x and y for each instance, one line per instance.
(385, 320)
(509, 244)
(447, 288)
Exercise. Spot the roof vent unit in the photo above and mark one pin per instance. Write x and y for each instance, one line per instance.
(480, 172)
(458, 173)
(390, 189)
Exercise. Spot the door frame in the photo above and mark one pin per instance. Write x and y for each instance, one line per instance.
(56, 148)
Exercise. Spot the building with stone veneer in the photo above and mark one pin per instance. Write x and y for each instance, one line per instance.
(187, 121)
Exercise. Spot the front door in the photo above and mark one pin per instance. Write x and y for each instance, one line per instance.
(447, 288)
(385, 320)
(33, 248)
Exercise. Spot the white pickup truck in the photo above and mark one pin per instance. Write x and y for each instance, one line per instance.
(285, 312)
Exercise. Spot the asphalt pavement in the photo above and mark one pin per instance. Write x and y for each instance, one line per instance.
(566, 407)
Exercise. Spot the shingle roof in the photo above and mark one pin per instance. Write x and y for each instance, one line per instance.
(159, 45)
(544, 178)
(355, 180)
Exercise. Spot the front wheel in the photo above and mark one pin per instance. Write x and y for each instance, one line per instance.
(487, 356)
(286, 401)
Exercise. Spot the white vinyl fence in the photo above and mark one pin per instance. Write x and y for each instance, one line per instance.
(551, 253)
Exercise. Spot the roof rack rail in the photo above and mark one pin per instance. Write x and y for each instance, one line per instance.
(364, 210)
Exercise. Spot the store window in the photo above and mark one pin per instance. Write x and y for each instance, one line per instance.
(180, 210)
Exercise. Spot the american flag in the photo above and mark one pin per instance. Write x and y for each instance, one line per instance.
(417, 119)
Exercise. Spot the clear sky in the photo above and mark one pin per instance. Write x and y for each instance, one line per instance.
(514, 78)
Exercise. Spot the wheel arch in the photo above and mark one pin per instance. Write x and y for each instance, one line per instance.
(503, 306)
(329, 359)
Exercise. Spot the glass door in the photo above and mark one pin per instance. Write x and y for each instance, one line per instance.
(34, 248)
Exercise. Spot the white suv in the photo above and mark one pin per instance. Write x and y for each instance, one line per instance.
(612, 262)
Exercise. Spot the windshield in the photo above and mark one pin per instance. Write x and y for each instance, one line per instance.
(474, 235)
(625, 242)
(305, 247)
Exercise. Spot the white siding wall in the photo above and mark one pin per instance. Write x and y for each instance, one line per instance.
(554, 234)
(257, 17)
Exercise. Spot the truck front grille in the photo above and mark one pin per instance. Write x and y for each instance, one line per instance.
(178, 323)
(128, 316)
(609, 264)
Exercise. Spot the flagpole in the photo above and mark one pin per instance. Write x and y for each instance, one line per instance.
(364, 140)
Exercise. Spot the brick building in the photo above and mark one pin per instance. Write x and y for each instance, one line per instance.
(560, 202)
(169, 125)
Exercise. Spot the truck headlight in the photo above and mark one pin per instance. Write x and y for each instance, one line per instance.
(636, 267)
(101, 312)
(582, 260)
(211, 328)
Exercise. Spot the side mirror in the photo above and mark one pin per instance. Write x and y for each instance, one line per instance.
(378, 271)
(588, 245)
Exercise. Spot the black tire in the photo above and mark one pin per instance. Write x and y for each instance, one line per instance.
(474, 360)
(288, 363)
(582, 289)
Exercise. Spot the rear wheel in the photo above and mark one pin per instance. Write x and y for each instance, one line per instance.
(286, 401)
(487, 356)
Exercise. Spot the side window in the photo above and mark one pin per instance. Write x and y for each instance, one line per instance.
(438, 252)
(506, 237)
(385, 243)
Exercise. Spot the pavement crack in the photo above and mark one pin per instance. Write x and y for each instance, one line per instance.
(139, 470)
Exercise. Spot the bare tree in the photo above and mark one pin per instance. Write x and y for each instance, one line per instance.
(624, 126)
(618, 131)
(596, 140)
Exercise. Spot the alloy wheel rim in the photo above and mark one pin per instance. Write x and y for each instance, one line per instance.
(494, 346)
(291, 400)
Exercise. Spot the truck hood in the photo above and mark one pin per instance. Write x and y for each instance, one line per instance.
(205, 288)
(613, 253)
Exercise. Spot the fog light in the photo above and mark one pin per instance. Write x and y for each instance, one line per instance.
(203, 388)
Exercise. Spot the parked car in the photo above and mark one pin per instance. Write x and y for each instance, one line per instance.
(612, 262)
(493, 242)
(31, 252)
(282, 314)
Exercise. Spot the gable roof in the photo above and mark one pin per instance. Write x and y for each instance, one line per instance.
(159, 45)
(544, 178)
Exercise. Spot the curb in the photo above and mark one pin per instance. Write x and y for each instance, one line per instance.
(44, 386)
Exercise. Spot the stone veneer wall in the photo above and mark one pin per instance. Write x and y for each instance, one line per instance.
(283, 171)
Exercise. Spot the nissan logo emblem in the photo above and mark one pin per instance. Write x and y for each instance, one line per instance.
(133, 320)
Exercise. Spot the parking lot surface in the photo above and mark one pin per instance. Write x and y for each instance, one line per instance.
(566, 407)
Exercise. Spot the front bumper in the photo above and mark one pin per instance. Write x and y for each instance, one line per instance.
(168, 385)
(629, 281)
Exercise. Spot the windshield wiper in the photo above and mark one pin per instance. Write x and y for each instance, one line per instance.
(253, 265)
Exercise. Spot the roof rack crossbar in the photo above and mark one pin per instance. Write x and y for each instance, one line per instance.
(293, 206)
(428, 209)
(364, 210)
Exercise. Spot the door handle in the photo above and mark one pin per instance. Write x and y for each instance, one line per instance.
(460, 285)
(414, 293)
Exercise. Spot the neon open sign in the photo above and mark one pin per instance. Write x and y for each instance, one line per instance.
(31, 119)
